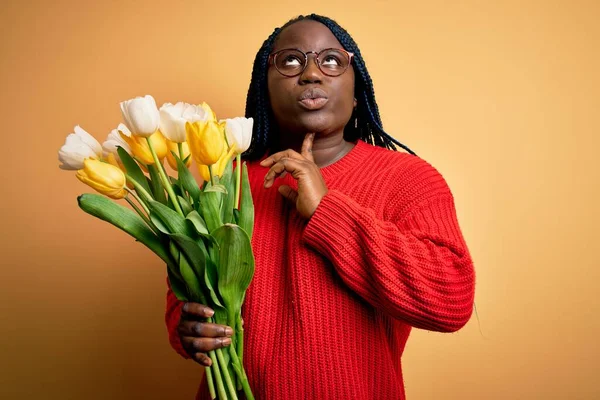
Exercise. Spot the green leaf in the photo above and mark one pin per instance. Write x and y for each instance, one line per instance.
(124, 219)
(246, 204)
(158, 191)
(198, 259)
(198, 223)
(236, 216)
(228, 198)
(216, 188)
(188, 275)
(186, 207)
(210, 204)
(187, 180)
(235, 267)
(170, 219)
(133, 169)
(210, 280)
(177, 286)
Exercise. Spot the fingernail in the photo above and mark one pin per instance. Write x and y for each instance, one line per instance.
(226, 342)
(228, 331)
(210, 312)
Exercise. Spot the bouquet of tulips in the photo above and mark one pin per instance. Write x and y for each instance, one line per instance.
(202, 232)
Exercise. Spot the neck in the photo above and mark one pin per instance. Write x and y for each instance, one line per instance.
(326, 149)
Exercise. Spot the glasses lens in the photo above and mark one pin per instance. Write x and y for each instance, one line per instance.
(334, 62)
(289, 62)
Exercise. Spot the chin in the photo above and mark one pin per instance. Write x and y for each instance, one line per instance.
(316, 123)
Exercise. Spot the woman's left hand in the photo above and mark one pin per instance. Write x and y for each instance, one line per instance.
(311, 185)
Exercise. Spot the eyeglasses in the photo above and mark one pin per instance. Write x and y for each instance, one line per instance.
(292, 62)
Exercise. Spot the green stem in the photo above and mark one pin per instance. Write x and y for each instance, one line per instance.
(164, 179)
(211, 383)
(147, 197)
(226, 375)
(215, 365)
(140, 213)
(243, 377)
(212, 181)
(180, 148)
(131, 192)
(238, 179)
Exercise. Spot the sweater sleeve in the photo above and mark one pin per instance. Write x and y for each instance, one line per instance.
(172, 316)
(411, 261)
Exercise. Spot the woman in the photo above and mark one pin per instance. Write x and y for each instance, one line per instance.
(357, 245)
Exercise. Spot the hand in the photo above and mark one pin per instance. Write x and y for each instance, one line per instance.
(197, 337)
(311, 185)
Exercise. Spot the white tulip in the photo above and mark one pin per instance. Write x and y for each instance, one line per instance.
(78, 146)
(239, 133)
(115, 140)
(174, 117)
(141, 115)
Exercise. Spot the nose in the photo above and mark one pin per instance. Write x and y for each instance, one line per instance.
(312, 73)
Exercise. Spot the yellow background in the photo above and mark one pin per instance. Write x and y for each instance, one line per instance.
(502, 97)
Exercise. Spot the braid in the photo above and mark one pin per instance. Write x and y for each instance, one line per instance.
(365, 123)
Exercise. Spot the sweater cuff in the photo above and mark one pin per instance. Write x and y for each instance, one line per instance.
(333, 224)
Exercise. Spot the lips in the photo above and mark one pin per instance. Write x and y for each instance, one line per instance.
(313, 99)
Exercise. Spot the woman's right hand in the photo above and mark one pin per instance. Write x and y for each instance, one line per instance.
(198, 337)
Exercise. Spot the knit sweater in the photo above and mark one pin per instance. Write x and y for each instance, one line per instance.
(334, 298)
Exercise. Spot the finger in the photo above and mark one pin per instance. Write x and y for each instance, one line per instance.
(307, 145)
(292, 166)
(203, 329)
(272, 159)
(204, 345)
(196, 310)
(288, 193)
(202, 359)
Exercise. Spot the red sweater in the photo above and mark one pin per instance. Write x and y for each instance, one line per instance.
(334, 298)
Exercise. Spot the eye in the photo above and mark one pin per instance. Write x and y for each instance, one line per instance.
(291, 61)
(331, 61)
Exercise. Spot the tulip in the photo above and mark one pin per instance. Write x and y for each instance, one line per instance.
(209, 112)
(219, 167)
(206, 140)
(174, 117)
(114, 140)
(239, 133)
(141, 116)
(78, 146)
(173, 147)
(139, 147)
(103, 177)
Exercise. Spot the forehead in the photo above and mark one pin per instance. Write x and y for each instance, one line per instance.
(306, 35)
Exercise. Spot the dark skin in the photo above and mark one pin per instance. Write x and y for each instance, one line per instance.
(310, 139)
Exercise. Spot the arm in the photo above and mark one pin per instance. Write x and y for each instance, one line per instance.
(172, 318)
(414, 265)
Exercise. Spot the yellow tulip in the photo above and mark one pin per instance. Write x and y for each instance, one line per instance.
(103, 177)
(113, 160)
(209, 112)
(141, 151)
(206, 140)
(219, 167)
(172, 146)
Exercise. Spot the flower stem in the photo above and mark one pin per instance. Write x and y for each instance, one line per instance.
(215, 365)
(212, 181)
(140, 213)
(211, 383)
(164, 179)
(238, 179)
(243, 377)
(226, 375)
(147, 197)
(180, 148)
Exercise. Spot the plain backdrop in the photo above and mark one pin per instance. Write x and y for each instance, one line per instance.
(501, 96)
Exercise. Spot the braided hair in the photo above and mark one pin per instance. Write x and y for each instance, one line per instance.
(365, 123)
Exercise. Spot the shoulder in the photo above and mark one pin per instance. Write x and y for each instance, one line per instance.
(406, 179)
